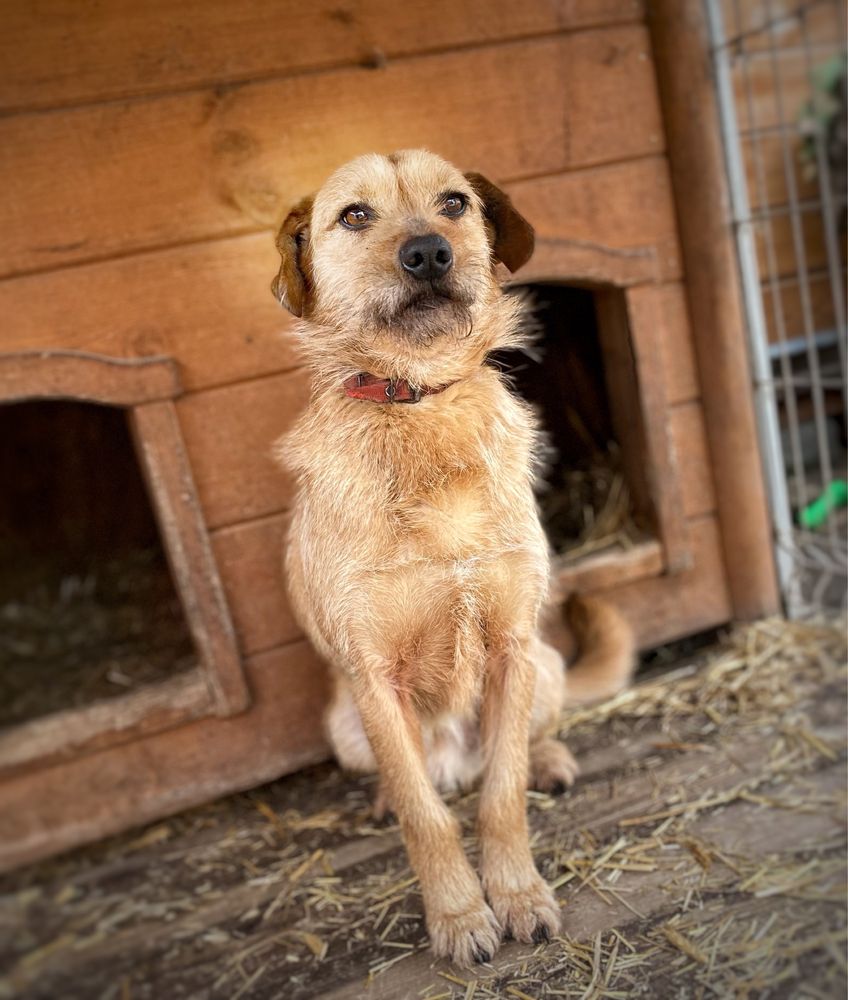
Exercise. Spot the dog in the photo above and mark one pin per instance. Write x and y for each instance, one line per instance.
(416, 562)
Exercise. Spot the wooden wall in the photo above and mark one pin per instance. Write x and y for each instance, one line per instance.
(147, 152)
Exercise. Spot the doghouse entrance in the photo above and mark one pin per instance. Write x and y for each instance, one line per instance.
(580, 375)
(88, 607)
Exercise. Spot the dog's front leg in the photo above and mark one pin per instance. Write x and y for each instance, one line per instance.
(522, 901)
(461, 925)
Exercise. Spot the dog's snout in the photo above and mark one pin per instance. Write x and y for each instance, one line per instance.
(426, 257)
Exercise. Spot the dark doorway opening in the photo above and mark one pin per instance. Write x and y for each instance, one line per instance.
(581, 377)
(88, 607)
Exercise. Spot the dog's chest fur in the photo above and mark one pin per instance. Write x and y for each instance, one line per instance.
(432, 534)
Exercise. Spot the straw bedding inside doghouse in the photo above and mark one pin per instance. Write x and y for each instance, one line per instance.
(586, 509)
(75, 640)
(702, 853)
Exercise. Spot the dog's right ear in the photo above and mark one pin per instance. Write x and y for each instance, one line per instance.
(292, 284)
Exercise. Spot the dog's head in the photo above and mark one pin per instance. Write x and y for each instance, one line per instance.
(395, 256)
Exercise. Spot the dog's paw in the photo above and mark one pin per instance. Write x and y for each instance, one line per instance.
(465, 938)
(529, 914)
(553, 767)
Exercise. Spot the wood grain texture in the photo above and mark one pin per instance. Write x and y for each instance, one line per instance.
(663, 307)
(207, 305)
(689, 441)
(96, 795)
(230, 433)
(668, 607)
(61, 52)
(250, 560)
(636, 388)
(94, 378)
(69, 733)
(212, 163)
(166, 468)
(611, 224)
(609, 569)
(681, 54)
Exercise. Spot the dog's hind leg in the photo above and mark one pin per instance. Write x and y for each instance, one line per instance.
(346, 732)
(602, 669)
(553, 767)
(451, 747)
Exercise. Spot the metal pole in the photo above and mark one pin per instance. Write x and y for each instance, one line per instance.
(764, 395)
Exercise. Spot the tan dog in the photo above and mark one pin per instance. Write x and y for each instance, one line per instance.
(416, 562)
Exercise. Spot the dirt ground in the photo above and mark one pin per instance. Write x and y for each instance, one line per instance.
(702, 853)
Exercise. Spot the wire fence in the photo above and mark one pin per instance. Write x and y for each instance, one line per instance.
(780, 75)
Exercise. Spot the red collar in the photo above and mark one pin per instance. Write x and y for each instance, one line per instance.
(387, 390)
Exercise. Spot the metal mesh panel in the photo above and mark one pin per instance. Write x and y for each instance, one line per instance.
(781, 87)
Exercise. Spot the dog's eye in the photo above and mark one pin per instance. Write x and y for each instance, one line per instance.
(356, 216)
(454, 204)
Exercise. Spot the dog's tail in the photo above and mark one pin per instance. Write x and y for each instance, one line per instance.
(607, 650)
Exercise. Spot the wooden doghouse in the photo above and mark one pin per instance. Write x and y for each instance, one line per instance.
(146, 157)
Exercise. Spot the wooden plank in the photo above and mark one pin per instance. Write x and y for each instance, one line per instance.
(636, 390)
(62, 53)
(71, 375)
(206, 164)
(230, 433)
(697, 162)
(209, 305)
(172, 491)
(689, 441)
(612, 224)
(250, 560)
(66, 734)
(663, 307)
(609, 569)
(633, 405)
(99, 794)
(671, 606)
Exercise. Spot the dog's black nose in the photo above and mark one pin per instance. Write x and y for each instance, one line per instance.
(426, 257)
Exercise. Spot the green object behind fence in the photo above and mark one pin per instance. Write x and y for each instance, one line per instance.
(815, 514)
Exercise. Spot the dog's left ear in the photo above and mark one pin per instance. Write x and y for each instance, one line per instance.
(292, 285)
(510, 234)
